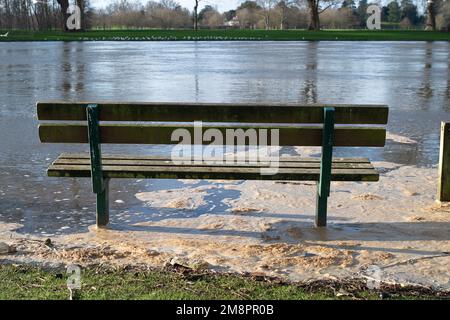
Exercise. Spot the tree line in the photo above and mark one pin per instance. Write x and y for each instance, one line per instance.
(250, 14)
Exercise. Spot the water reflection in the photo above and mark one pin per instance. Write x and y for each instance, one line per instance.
(425, 90)
(196, 76)
(72, 69)
(309, 92)
(412, 78)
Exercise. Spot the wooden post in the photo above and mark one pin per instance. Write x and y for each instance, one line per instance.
(444, 164)
(100, 185)
(323, 185)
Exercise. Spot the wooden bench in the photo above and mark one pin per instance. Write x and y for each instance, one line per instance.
(298, 125)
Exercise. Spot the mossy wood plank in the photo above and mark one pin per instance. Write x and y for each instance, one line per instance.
(443, 193)
(158, 134)
(166, 157)
(220, 112)
(193, 172)
(122, 162)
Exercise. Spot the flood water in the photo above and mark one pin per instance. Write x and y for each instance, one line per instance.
(413, 78)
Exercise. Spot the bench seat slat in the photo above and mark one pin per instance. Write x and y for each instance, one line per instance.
(133, 162)
(222, 173)
(288, 171)
(106, 156)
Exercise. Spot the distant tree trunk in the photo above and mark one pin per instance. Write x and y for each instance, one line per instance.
(64, 4)
(196, 15)
(431, 16)
(283, 16)
(314, 21)
(80, 4)
(267, 21)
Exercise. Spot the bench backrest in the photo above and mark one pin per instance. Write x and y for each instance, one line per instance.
(154, 123)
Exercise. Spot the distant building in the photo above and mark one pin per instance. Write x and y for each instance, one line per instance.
(233, 23)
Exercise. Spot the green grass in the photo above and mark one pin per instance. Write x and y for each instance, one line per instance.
(25, 282)
(232, 34)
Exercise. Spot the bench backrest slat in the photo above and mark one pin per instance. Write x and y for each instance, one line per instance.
(298, 125)
(214, 112)
(158, 134)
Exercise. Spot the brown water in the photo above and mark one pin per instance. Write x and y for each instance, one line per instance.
(413, 78)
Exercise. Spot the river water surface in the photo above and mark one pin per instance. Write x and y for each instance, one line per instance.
(413, 78)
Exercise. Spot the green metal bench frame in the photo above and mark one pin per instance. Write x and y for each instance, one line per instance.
(100, 184)
(321, 171)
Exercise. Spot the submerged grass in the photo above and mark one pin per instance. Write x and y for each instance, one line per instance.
(26, 282)
(226, 35)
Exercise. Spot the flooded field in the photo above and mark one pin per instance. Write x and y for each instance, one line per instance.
(413, 78)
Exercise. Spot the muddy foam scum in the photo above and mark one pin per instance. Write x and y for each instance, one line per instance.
(394, 227)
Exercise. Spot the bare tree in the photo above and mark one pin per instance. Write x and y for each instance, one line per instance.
(247, 17)
(17, 14)
(315, 9)
(431, 16)
(443, 15)
(212, 19)
(196, 14)
(64, 4)
(267, 8)
(42, 13)
(284, 6)
(342, 18)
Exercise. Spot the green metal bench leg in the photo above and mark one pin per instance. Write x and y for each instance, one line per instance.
(323, 185)
(100, 185)
(103, 205)
(321, 209)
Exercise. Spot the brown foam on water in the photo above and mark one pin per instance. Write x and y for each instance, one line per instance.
(269, 229)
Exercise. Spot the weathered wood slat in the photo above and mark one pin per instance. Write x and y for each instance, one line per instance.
(194, 172)
(443, 193)
(194, 168)
(122, 162)
(212, 112)
(161, 134)
(166, 157)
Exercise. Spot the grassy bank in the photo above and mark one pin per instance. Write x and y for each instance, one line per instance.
(222, 35)
(24, 282)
